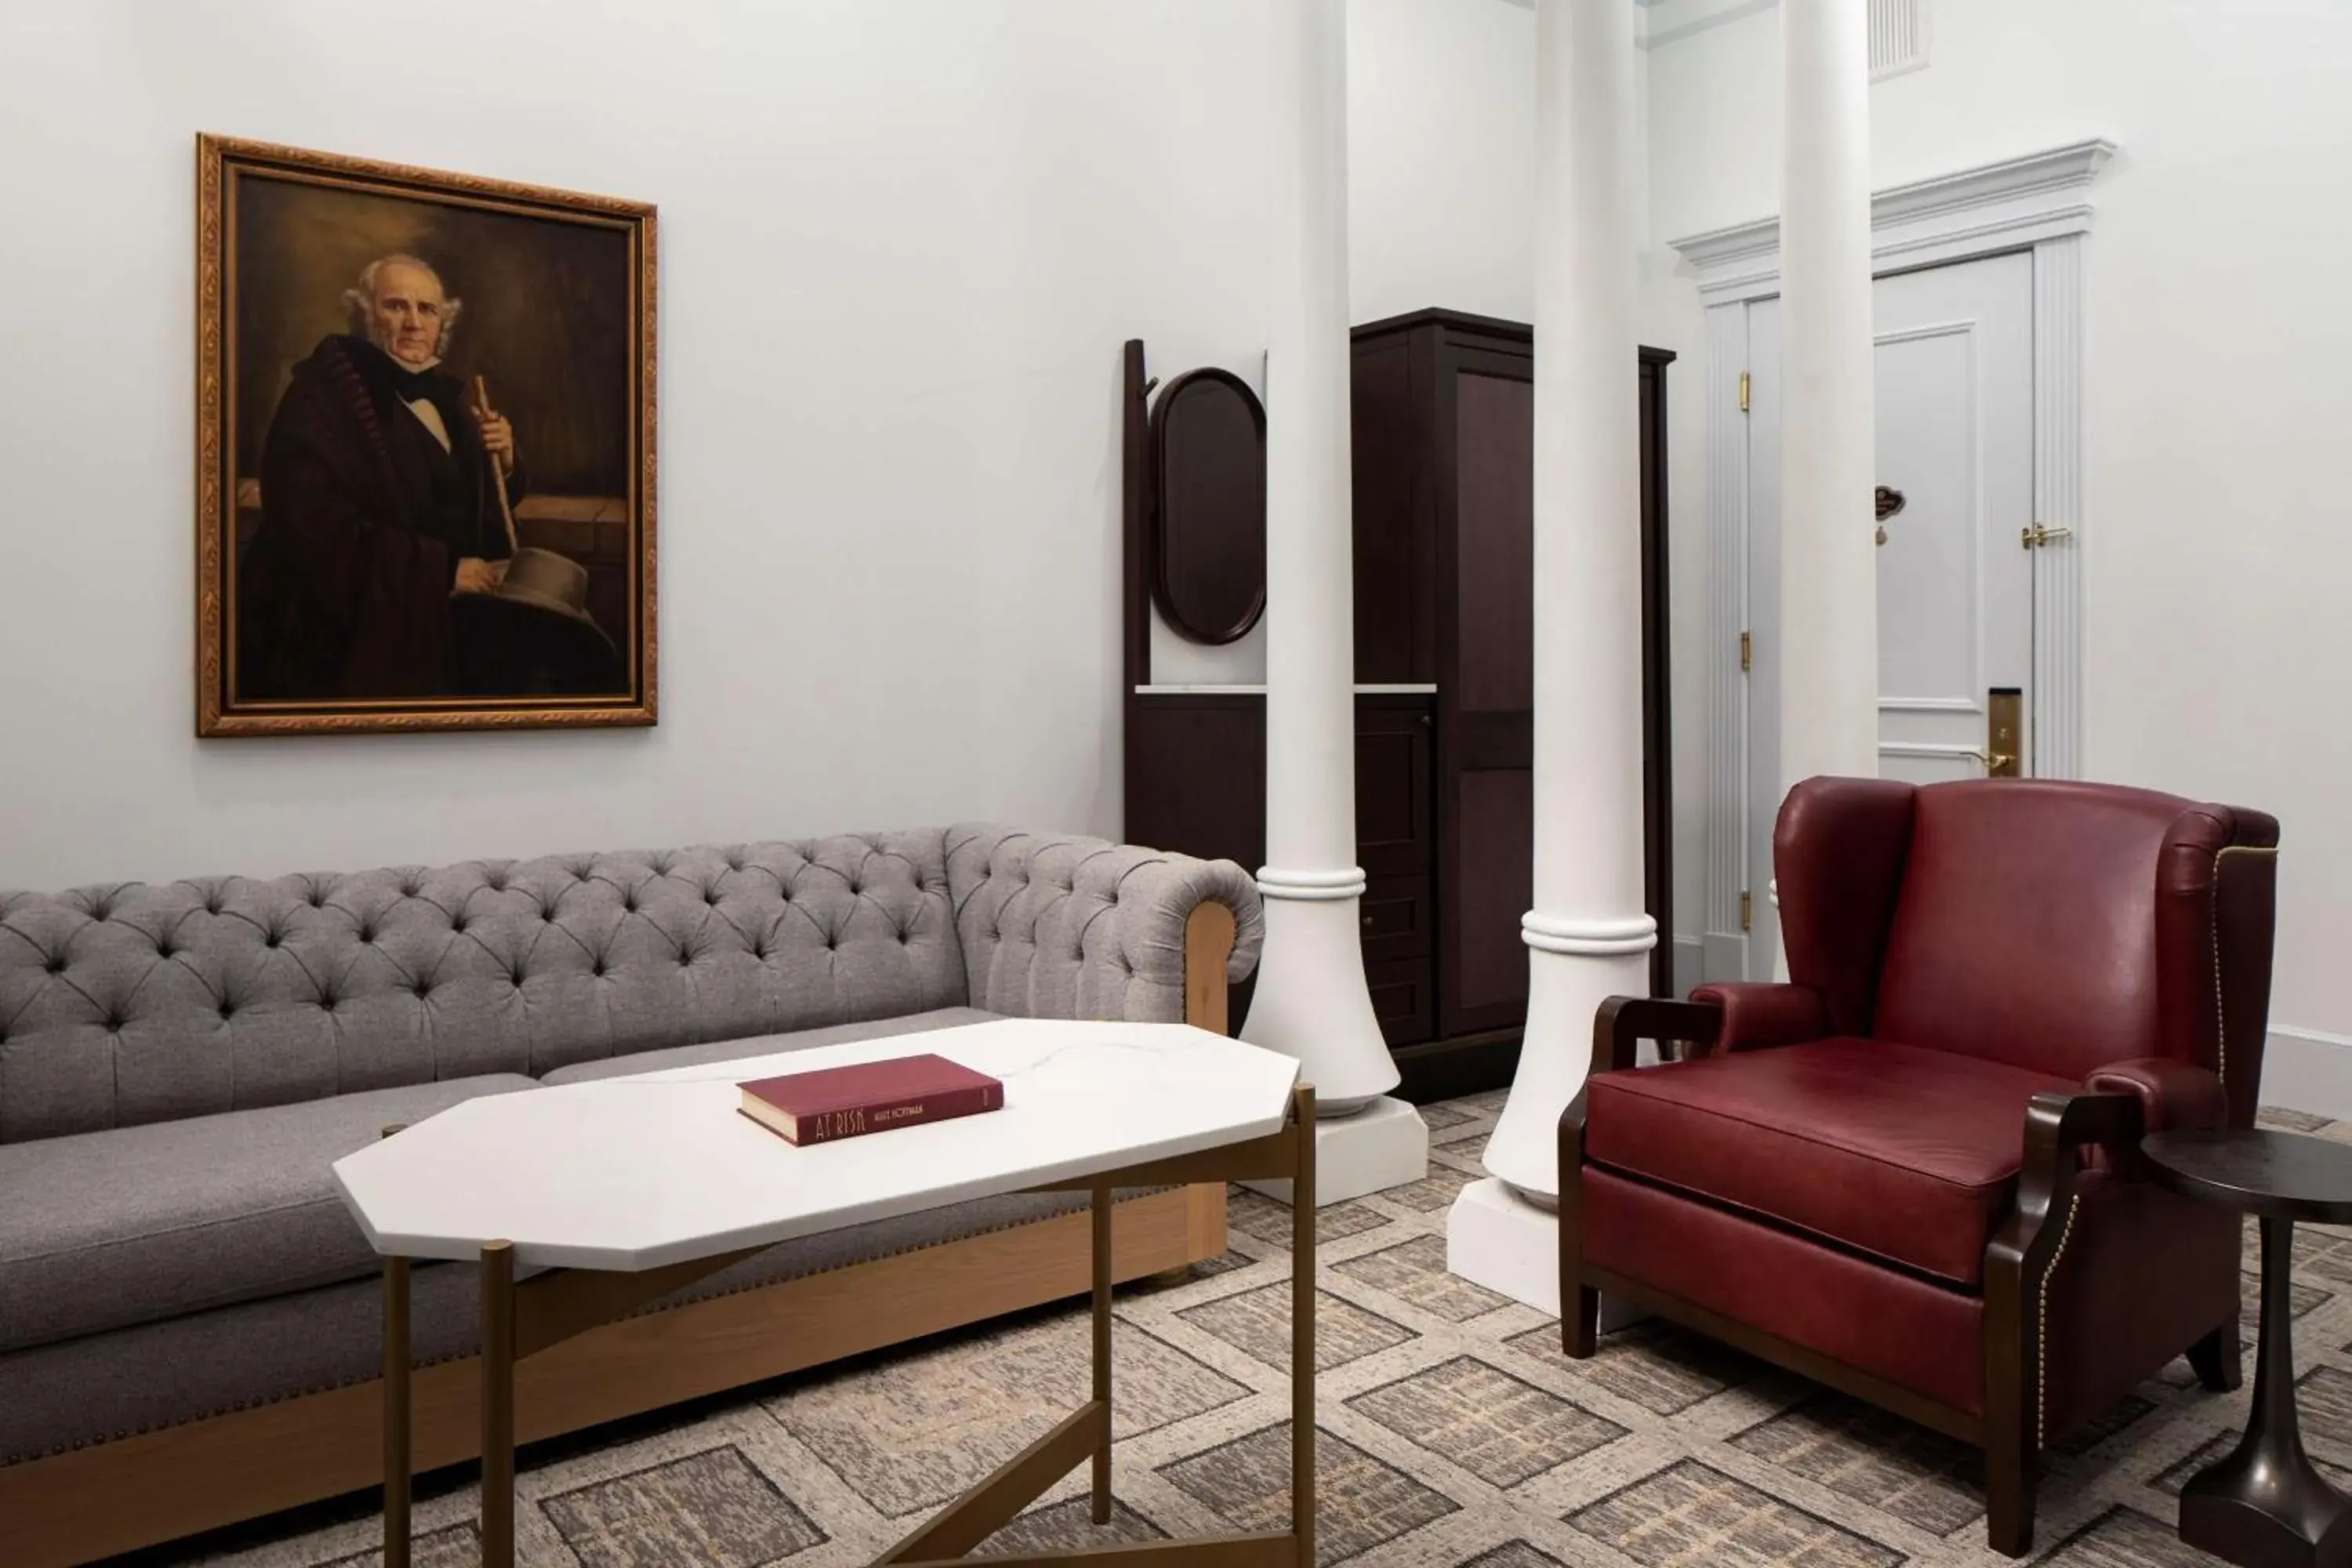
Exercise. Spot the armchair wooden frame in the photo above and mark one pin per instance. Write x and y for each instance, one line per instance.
(68, 1508)
(2061, 1131)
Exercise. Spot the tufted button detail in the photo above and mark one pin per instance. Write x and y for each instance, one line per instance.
(423, 988)
(227, 1009)
(164, 949)
(629, 903)
(458, 924)
(317, 900)
(597, 969)
(734, 862)
(271, 938)
(496, 881)
(760, 953)
(408, 889)
(711, 898)
(367, 933)
(114, 1023)
(327, 1001)
(684, 957)
(212, 904)
(515, 975)
(55, 965)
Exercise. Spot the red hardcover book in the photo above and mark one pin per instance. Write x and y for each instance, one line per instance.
(828, 1103)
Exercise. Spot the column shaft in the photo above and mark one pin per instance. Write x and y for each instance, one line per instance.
(1311, 1000)
(1588, 935)
(1829, 569)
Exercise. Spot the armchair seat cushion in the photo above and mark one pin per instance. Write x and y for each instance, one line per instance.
(1908, 1154)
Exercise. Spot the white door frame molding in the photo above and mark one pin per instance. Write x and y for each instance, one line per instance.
(2040, 203)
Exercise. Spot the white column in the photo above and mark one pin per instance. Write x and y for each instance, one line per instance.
(1311, 1001)
(1829, 571)
(1587, 936)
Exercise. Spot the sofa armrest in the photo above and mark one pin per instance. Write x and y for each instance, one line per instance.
(1757, 1013)
(1058, 926)
(2171, 1093)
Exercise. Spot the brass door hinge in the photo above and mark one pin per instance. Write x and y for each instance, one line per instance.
(1746, 652)
(1747, 910)
(1743, 392)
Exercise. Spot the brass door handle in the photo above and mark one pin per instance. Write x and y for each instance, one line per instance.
(2037, 535)
(1994, 762)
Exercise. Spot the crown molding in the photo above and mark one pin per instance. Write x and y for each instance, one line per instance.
(2016, 201)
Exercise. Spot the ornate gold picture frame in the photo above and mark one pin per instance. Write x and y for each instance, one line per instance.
(425, 449)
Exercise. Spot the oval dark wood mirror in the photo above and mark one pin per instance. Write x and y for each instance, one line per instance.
(1208, 431)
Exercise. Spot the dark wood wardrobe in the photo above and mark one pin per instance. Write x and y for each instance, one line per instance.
(1443, 433)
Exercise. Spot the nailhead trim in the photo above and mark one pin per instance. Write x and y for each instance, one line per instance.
(2041, 1328)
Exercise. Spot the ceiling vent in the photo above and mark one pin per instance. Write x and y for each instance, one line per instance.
(1899, 37)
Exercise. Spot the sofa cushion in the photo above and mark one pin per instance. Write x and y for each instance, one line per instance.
(767, 1045)
(1905, 1153)
(108, 1230)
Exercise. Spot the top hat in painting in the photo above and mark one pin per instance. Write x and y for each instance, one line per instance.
(533, 635)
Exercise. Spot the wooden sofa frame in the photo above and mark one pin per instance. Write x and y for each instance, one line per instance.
(116, 1496)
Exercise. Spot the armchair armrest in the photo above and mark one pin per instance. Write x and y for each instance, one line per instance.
(1058, 926)
(1756, 1014)
(1624, 1022)
(2061, 1132)
(2171, 1093)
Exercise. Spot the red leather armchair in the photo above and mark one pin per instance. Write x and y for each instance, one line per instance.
(1912, 1172)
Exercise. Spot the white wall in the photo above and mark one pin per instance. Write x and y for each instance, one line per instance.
(2216, 552)
(902, 244)
(1442, 156)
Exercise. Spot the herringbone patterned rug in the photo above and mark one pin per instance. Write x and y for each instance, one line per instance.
(1452, 1433)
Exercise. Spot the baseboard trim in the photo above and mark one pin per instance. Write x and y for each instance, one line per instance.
(2308, 1070)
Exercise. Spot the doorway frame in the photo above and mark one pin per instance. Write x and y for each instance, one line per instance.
(2040, 203)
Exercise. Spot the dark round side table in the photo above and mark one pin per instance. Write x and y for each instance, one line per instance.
(2266, 1504)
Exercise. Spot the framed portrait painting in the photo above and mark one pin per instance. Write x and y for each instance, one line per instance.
(425, 449)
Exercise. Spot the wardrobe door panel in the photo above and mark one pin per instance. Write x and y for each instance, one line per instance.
(1494, 558)
(1493, 869)
(1396, 608)
(1487, 756)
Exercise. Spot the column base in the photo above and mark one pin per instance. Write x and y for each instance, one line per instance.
(1383, 1145)
(1497, 1238)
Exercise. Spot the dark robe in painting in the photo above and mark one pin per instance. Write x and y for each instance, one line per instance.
(344, 591)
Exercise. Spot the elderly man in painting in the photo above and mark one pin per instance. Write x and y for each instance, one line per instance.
(380, 482)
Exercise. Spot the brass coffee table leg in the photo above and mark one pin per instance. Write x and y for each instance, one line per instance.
(397, 1448)
(396, 1413)
(1102, 1268)
(498, 1405)
(1302, 1328)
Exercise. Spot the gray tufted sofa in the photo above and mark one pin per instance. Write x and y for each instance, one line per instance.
(179, 1063)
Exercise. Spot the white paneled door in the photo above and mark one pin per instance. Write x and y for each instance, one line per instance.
(1955, 441)
(1955, 409)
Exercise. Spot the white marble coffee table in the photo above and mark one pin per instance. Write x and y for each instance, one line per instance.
(585, 1201)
